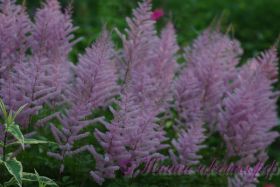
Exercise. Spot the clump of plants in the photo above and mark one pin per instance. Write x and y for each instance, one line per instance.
(157, 107)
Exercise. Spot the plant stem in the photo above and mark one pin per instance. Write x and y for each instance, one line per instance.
(4, 146)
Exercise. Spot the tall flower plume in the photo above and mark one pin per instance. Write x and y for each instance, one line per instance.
(15, 26)
(131, 138)
(211, 59)
(95, 86)
(247, 117)
(52, 38)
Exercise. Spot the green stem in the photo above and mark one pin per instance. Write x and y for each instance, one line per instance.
(4, 146)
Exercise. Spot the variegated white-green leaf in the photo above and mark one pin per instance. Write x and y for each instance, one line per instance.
(16, 132)
(34, 141)
(29, 141)
(19, 111)
(31, 177)
(15, 169)
(10, 119)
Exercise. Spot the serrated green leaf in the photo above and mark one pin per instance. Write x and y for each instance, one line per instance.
(14, 167)
(16, 132)
(31, 177)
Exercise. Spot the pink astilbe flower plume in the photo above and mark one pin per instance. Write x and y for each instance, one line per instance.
(39, 77)
(244, 179)
(131, 138)
(15, 26)
(267, 62)
(139, 43)
(95, 86)
(28, 85)
(149, 62)
(52, 38)
(187, 145)
(162, 68)
(211, 62)
(247, 117)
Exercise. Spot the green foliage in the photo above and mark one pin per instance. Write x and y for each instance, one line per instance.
(14, 130)
(12, 165)
(255, 22)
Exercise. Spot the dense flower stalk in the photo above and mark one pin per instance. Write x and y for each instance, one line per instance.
(14, 29)
(38, 77)
(28, 85)
(266, 62)
(131, 138)
(52, 38)
(211, 59)
(149, 62)
(187, 145)
(95, 86)
(244, 179)
(247, 117)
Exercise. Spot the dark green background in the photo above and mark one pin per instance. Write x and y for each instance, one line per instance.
(256, 23)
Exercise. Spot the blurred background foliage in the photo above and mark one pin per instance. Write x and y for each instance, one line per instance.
(255, 23)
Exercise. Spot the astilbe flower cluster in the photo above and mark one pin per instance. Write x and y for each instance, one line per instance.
(249, 113)
(211, 61)
(133, 136)
(210, 94)
(40, 77)
(13, 19)
(94, 86)
(244, 179)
